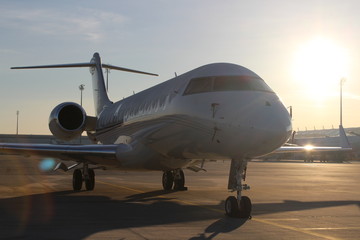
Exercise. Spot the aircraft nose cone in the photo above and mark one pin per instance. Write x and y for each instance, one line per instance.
(277, 127)
(271, 128)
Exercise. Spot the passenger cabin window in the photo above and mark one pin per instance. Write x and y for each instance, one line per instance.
(226, 83)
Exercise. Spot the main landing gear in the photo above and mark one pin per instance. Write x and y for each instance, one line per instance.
(86, 175)
(239, 206)
(174, 180)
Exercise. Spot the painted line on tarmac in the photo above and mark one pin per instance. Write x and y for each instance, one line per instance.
(334, 228)
(301, 230)
(260, 220)
(281, 219)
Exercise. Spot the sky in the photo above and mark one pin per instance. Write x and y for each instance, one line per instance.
(300, 48)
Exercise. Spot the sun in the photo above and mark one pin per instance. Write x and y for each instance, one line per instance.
(318, 66)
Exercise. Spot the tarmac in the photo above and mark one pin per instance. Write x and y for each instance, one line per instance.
(291, 200)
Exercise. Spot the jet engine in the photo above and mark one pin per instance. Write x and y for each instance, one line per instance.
(68, 120)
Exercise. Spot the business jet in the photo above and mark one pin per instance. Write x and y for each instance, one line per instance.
(219, 111)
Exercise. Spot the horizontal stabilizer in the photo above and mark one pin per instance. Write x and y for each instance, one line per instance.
(76, 65)
(127, 69)
(69, 65)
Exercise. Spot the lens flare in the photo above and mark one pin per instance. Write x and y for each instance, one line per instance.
(47, 164)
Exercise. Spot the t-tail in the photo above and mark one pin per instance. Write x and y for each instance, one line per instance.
(101, 99)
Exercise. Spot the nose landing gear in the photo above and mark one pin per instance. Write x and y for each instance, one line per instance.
(239, 206)
(238, 209)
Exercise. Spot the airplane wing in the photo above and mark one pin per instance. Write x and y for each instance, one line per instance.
(95, 154)
(110, 155)
(310, 148)
(344, 146)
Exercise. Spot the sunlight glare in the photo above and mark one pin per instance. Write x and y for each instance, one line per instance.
(318, 67)
(309, 147)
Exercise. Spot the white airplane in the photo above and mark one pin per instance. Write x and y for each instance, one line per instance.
(219, 111)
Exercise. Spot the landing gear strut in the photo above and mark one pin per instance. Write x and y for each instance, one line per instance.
(175, 178)
(86, 175)
(239, 206)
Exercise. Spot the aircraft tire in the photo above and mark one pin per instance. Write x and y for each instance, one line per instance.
(90, 182)
(231, 207)
(179, 184)
(245, 207)
(167, 180)
(77, 180)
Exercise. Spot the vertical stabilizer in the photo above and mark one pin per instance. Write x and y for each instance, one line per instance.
(344, 141)
(101, 99)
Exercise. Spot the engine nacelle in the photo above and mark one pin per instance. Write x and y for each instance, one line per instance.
(67, 121)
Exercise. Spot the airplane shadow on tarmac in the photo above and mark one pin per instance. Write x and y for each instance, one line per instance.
(222, 225)
(65, 215)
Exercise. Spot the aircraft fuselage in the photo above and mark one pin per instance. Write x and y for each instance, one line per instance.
(205, 114)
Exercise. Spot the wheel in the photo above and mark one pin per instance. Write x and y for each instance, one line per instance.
(179, 181)
(245, 207)
(77, 180)
(90, 181)
(167, 180)
(231, 207)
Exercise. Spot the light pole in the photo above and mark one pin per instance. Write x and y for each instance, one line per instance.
(81, 87)
(342, 80)
(17, 122)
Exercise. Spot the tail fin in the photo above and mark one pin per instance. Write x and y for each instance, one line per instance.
(344, 141)
(101, 98)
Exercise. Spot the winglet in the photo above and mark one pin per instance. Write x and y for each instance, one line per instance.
(344, 141)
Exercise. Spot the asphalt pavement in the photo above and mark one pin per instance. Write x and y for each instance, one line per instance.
(291, 200)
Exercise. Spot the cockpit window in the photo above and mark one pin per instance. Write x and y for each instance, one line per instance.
(199, 85)
(259, 85)
(231, 83)
(226, 83)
